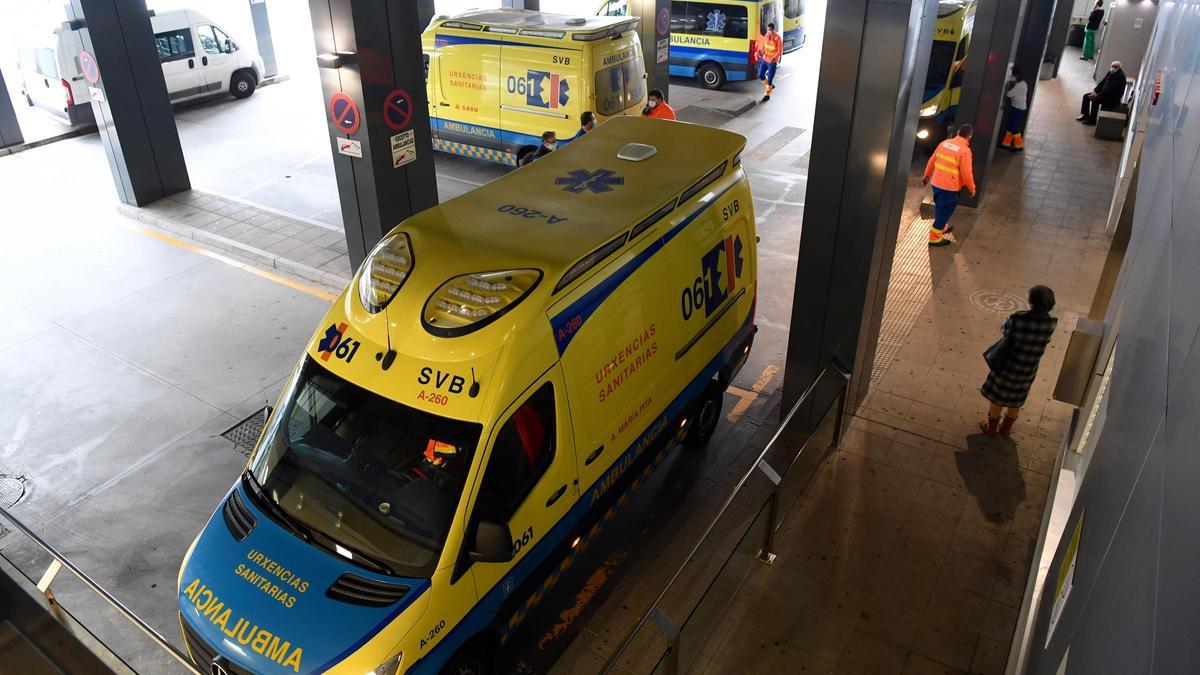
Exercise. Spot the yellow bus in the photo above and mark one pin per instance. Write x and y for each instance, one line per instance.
(947, 58)
(714, 41)
(503, 370)
(498, 78)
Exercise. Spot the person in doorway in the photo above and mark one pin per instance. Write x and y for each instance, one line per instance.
(1026, 335)
(1017, 92)
(1106, 96)
(950, 170)
(657, 106)
(587, 122)
(549, 145)
(770, 51)
(1089, 31)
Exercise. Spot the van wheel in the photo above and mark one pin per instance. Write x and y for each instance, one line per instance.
(707, 415)
(525, 155)
(470, 660)
(711, 76)
(242, 84)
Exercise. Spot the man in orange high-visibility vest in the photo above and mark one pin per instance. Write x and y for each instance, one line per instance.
(770, 51)
(950, 171)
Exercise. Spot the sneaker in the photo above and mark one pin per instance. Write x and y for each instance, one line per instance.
(945, 241)
(766, 98)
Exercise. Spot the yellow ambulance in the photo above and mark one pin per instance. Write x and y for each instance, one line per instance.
(497, 79)
(947, 59)
(504, 369)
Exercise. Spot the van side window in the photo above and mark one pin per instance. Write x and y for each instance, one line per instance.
(174, 45)
(709, 18)
(524, 450)
(213, 40)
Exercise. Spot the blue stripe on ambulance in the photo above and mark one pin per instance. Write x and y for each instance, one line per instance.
(585, 306)
(484, 611)
(698, 54)
(314, 623)
(450, 136)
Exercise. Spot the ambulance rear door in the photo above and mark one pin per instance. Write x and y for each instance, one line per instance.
(541, 93)
(468, 72)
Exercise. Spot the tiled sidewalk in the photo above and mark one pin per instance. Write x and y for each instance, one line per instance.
(911, 548)
(303, 248)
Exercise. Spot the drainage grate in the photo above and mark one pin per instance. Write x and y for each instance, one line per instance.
(909, 288)
(12, 490)
(245, 434)
(997, 302)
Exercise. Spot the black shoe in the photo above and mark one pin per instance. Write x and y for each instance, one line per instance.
(1081, 118)
(1016, 150)
(1090, 122)
(766, 98)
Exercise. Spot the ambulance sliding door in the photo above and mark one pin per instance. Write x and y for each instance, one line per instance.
(541, 93)
(469, 78)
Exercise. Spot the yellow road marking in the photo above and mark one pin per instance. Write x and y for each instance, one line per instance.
(165, 238)
(748, 397)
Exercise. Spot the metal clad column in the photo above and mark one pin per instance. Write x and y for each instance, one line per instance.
(10, 130)
(875, 55)
(655, 14)
(1056, 42)
(1031, 47)
(130, 100)
(992, 45)
(368, 49)
(262, 35)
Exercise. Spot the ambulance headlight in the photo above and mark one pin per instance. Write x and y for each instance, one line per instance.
(384, 272)
(929, 110)
(469, 302)
(389, 667)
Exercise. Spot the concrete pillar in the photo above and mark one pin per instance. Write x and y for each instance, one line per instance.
(993, 43)
(129, 99)
(10, 130)
(656, 44)
(1031, 43)
(873, 65)
(262, 35)
(1060, 27)
(373, 80)
(426, 10)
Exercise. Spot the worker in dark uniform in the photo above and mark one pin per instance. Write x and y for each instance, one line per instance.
(1106, 96)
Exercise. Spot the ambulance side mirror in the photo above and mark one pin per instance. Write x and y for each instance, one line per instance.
(493, 543)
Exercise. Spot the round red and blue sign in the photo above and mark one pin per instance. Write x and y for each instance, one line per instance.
(343, 112)
(87, 63)
(663, 24)
(397, 110)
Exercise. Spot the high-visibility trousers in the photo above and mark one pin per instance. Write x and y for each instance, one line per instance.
(1012, 135)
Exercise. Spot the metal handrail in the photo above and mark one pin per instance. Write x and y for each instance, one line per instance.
(652, 613)
(62, 560)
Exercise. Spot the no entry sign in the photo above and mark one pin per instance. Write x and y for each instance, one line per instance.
(663, 24)
(397, 110)
(343, 112)
(87, 63)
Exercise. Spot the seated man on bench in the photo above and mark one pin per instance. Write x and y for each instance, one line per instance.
(1107, 95)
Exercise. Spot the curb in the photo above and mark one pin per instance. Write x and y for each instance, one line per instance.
(257, 255)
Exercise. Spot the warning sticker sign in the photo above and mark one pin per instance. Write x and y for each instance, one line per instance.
(404, 148)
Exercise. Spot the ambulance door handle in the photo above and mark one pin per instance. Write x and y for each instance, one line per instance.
(445, 104)
(562, 490)
(592, 457)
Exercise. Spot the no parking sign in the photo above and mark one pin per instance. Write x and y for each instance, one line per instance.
(663, 24)
(397, 110)
(87, 63)
(343, 112)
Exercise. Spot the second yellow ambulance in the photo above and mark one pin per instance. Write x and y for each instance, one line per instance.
(497, 79)
(503, 370)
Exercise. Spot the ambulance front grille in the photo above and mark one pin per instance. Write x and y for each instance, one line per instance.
(358, 590)
(238, 518)
(204, 655)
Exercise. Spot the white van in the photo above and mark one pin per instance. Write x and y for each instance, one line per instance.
(198, 59)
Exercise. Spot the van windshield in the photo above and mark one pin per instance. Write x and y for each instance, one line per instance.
(360, 475)
(621, 86)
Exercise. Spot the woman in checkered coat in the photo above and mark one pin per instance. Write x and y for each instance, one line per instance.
(1026, 335)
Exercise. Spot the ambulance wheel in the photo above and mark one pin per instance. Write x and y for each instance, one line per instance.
(711, 75)
(473, 659)
(525, 154)
(242, 84)
(707, 413)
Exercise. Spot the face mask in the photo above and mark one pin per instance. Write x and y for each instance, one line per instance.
(1113, 69)
(652, 103)
(552, 146)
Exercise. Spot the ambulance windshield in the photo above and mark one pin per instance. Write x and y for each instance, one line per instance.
(360, 475)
